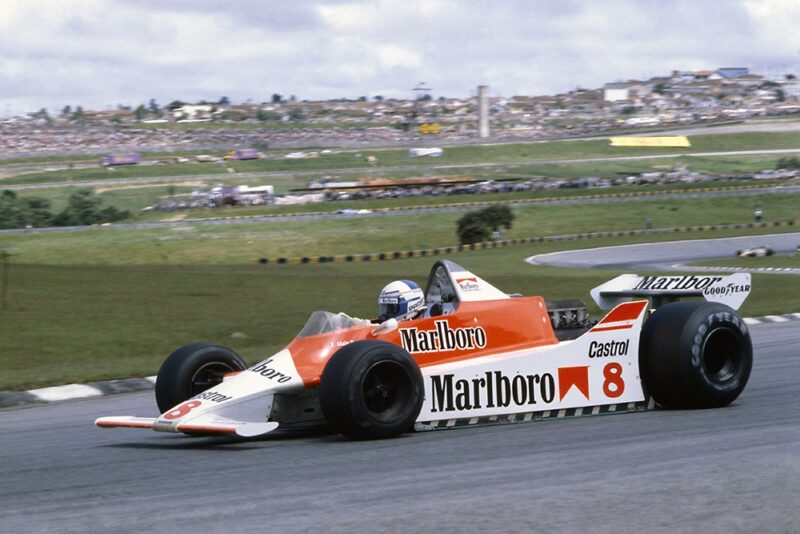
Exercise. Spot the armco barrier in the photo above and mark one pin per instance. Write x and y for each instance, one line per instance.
(454, 249)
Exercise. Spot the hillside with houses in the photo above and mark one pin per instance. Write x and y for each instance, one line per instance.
(681, 98)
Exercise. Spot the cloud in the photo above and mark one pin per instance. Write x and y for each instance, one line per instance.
(97, 53)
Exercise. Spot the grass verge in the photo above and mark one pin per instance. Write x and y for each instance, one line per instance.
(245, 242)
(78, 323)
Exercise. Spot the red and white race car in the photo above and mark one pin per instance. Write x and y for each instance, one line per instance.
(478, 356)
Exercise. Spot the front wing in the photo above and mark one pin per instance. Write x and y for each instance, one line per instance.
(204, 426)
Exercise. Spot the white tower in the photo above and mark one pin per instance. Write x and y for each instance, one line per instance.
(483, 111)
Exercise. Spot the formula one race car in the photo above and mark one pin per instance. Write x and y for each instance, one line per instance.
(477, 356)
(755, 252)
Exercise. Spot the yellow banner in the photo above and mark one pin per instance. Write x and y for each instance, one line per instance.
(679, 141)
(430, 128)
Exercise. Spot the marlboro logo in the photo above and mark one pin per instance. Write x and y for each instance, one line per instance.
(442, 338)
(468, 284)
(676, 283)
(491, 390)
(495, 389)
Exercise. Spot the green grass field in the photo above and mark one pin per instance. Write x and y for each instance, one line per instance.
(81, 323)
(110, 303)
(244, 243)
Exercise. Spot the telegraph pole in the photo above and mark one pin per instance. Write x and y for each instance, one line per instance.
(420, 90)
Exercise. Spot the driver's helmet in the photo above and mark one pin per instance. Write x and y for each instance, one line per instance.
(402, 300)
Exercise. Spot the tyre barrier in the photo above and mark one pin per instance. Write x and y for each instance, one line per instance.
(454, 249)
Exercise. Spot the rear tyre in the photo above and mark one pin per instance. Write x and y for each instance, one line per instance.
(695, 355)
(192, 369)
(371, 390)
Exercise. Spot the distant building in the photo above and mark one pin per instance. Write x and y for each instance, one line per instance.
(613, 92)
(749, 80)
(193, 111)
(791, 88)
(732, 72)
(705, 75)
(682, 76)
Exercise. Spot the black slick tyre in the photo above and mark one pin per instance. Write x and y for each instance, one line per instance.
(695, 355)
(192, 369)
(371, 390)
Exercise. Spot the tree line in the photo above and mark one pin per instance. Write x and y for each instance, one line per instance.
(83, 208)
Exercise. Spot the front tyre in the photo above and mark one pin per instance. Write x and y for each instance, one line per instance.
(371, 390)
(695, 355)
(192, 369)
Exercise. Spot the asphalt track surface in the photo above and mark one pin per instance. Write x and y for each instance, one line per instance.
(735, 469)
(671, 255)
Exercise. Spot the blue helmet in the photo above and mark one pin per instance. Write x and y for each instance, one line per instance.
(402, 299)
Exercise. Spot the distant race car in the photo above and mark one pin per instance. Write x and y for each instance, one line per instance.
(477, 356)
(753, 252)
(349, 211)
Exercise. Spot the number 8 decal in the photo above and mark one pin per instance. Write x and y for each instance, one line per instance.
(613, 385)
(182, 410)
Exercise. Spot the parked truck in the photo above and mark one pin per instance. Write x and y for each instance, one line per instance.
(423, 152)
(121, 159)
(245, 153)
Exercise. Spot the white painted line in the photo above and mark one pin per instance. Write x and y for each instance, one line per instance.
(776, 318)
(750, 320)
(796, 315)
(151, 378)
(70, 391)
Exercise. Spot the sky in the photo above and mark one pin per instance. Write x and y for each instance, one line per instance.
(103, 53)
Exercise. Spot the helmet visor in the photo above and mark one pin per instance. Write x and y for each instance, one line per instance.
(387, 310)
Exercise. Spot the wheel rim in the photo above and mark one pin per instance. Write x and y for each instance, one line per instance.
(722, 356)
(209, 375)
(386, 390)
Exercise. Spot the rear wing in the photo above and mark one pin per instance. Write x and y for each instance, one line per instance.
(730, 290)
